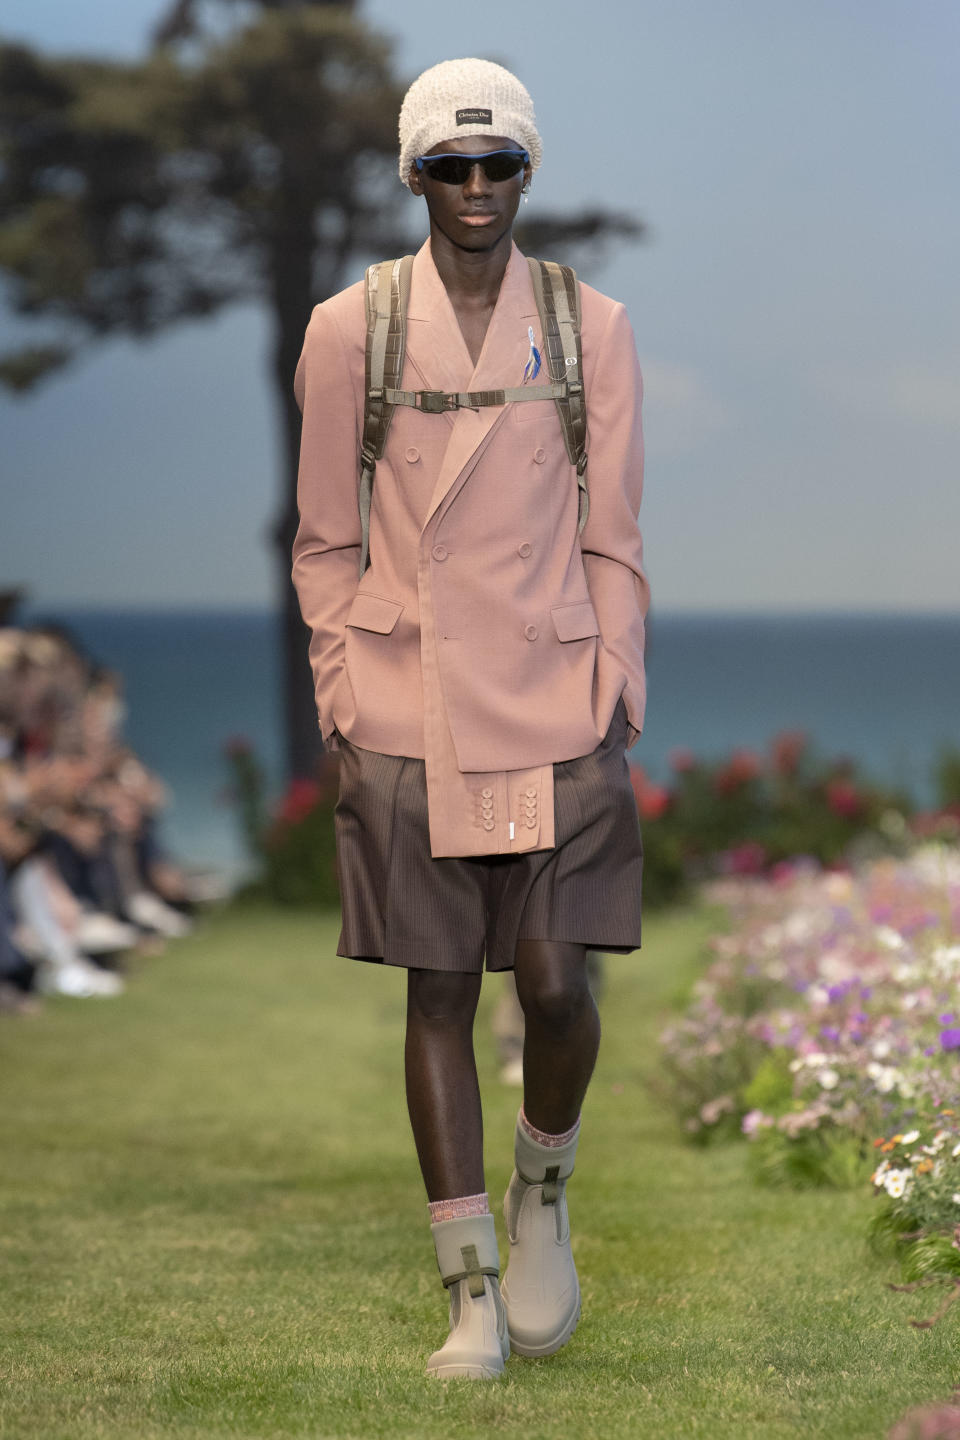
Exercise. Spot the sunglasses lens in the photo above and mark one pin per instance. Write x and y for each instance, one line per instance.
(450, 169)
(502, 166)
(456, 169)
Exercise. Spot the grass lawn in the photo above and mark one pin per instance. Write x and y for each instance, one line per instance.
(212, 1224)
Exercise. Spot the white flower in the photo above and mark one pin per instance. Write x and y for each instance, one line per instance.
(910, 1136)
(946, 958)
(895, 1183)
(815, 1058)
(880, 1050)
(796, 1064)
(886, 1080)
(828, 1078)
(956, 1197)
(889, 938)
(881, 1170)
(955, 1151)
(818, 995)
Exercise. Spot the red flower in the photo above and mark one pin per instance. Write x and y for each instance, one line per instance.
(652, 799)
(682, 760)
(843, 798)
(786, 750)
(743, 766)
(301, 798)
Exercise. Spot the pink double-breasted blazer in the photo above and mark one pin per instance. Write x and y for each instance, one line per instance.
(486, 636)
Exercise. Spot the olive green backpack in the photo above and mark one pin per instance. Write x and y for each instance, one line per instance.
(557, 293)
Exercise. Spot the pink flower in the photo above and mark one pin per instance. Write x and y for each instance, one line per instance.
(745, 859)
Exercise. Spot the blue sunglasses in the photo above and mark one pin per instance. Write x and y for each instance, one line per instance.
(497, 165)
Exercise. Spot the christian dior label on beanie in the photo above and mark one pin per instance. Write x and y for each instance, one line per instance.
(475, 117)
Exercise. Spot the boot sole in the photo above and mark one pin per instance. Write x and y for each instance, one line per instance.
(466, 1372)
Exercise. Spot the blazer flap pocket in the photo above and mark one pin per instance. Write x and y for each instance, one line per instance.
(575, 622)
(373, 612)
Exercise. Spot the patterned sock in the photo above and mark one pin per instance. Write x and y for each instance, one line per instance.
(542, 1138)
(457, 1209)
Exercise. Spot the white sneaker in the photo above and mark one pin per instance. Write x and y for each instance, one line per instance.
(155, 914)
(541, 1291)
(478, 1343)
(98, 933)
(80, 980)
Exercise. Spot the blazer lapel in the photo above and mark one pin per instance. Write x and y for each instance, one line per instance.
(506, 348)
(436, 350)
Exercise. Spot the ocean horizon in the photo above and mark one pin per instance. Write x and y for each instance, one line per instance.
(879, 688)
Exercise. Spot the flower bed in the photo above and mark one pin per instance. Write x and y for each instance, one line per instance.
(826, 1031)
(748, 812)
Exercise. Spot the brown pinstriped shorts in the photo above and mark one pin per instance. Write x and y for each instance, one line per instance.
(402, 907)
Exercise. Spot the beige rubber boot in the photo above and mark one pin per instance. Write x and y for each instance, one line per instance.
(541, 1291)
(469, 1264)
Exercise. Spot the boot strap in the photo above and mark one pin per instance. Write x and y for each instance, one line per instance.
(474, 1271)
(550, 1184)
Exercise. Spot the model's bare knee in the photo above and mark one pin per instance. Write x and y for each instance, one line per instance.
(440, 997)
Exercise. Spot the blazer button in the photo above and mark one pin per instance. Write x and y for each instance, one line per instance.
(531, 632)
(486, 792)
(488, 824)
(539, 454)
(530, 791)
(439, 552)
(525, 549)
(412, 454)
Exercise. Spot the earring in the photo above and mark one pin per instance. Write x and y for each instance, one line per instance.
(525, 192)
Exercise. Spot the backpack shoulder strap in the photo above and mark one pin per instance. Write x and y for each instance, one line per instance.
(557, 292)
(387, 291)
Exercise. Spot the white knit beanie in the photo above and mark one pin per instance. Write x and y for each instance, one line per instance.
(465, 97)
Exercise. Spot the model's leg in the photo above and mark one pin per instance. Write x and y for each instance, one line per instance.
(541, 1290)
(443, 1094)
(562, 1031)
(443, 1098)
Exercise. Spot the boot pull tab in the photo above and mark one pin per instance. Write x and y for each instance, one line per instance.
(474, 1275)
(550, 1191)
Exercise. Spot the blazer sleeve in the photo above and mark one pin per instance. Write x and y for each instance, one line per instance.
(611, 542)
(326, 549)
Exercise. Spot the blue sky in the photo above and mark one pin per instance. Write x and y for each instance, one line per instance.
(797, 313)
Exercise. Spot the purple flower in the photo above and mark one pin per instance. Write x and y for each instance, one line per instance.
(950, 1039)
(930, 1050)
(830, 1032)
(945, 1019)
(866, 991)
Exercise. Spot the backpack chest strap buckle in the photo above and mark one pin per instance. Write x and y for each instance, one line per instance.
(435, 402)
